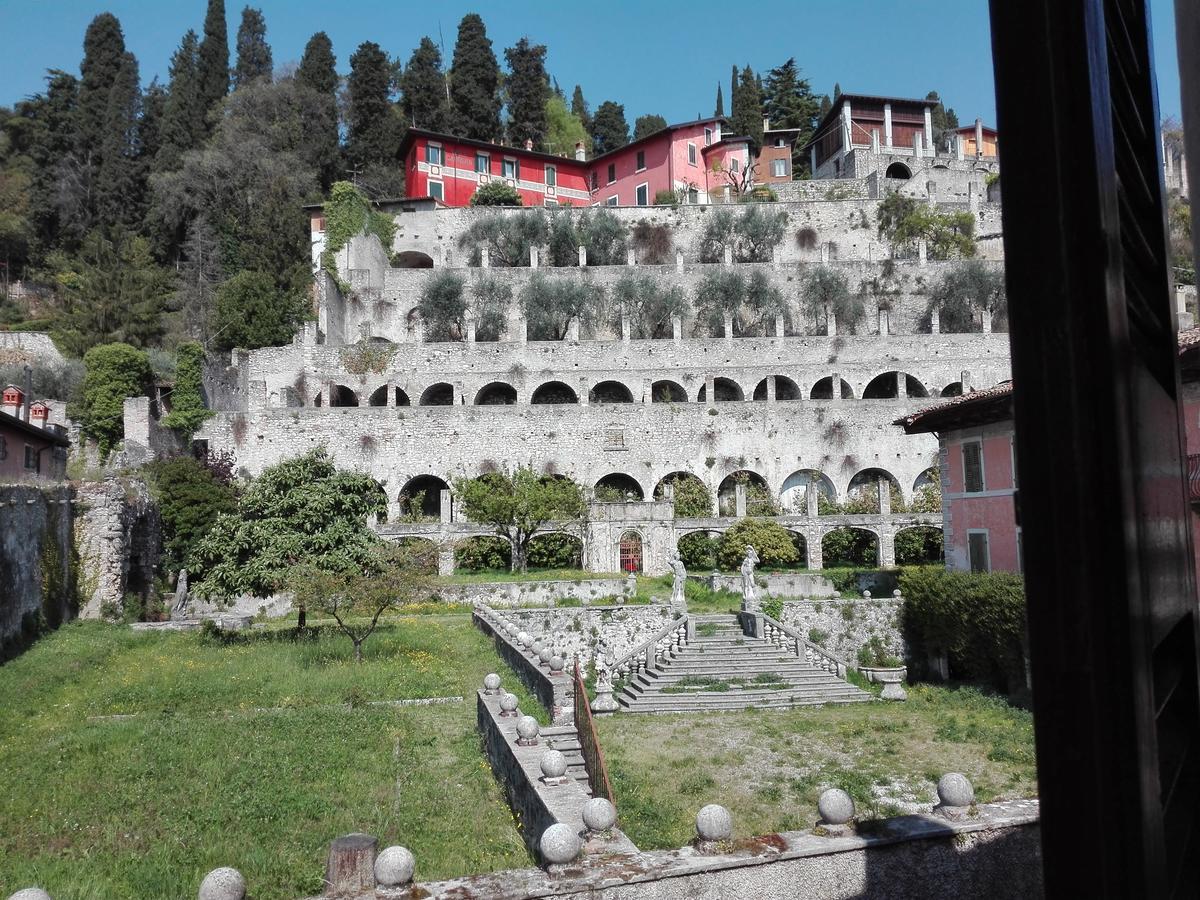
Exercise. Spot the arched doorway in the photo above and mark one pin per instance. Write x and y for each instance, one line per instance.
(421, 498)
(412, 259)
(667, 392)
(785, 389)
(758, 496)
(618, 487)
(340, 395)
(724, 389)
(823, 389)
(899, 171)
(553, 392)
(631, 552)
(610, 392)
(497, 393)
(440, 394)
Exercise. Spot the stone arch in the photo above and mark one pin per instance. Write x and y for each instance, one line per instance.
(340, 395)
(898, 170)
(610, 392)
(953, 389)
(919, 545)
(379, 397)
(317, 401)
(850, 546)
(424, 488)
(401, 398)
(676, 479)
(666, 391)
(617, 487)
(496, 393)
(724, 389)
(800, 542)
(883, 387)
(785, 389)
(699, 550)
(412, 259)
(630, 551)
(793, 497)
(929, 476)
(759, 501)
(823, 389)
(553, 392)
(483, 553)
(862, 488)
(440, 394)
(291, 397)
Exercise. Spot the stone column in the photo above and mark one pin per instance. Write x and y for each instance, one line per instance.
(739, 500)
(446, 506)
(987, 321)
(964, 379)
(727, 258)
(935, 321)
(522, 329)
(887, 548)
(457, 396)
(485, 258)
(881, 319)
(679, 260)
(812, 495)
(978, 138)
(929, 127)
(533, 257)
(326, 390)
(770, 388)
(973, 197)
(728, 327)
(625, 326)
(584, 389)
(847, 125)
(812, 160)
(812, 539)
(630, 257)
(959, 147)
(446, 562)
(471, 330)
(709, 390)
(824, 251)
(830, 321)
(875, 140)
(676, 328)
(582, 257)
(837, 387)
(887, 124)
(918, 152)
(573, 330)
(901, 386)
(885, 496)
(776, 256)
(922, 252)
(779, 325)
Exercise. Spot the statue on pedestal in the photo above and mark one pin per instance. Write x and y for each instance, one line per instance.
(678, 601)
(749, 590)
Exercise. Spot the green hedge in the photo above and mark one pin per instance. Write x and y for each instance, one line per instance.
(977, 620)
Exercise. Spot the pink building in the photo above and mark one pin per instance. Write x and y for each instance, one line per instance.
(977, 463)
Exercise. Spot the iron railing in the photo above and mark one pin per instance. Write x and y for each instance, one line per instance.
(589, 742)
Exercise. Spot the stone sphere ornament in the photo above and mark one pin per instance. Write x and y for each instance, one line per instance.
(559, 844)
(224, 883)
(545, 655)
(394, 867)
(556, 665)
(491, 682)
(954, 790)
(835, 807)
(31, 893)
(527, 731)
(538, 647)
(714, 823)
(508, 705)
(599, 814)
(553, 765)
(525, 639)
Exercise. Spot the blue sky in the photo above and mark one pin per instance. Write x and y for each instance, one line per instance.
(655, 56)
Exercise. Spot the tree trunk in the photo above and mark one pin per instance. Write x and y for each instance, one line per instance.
(302, 619)
(520, 558)
(358, 651)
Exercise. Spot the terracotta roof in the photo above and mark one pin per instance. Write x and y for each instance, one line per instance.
(45, 434)
(992, 404)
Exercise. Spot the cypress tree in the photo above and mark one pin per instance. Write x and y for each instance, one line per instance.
(120, 181)
(371, 135)
(423, 89)
(318, 73)
(154, 105)
(183, 115)
(720, 110)
(213, 58)
(733, 95)
(57, 110)
(579, 109)
(747, 110)
(647, 125)
(527, 93)
(253, 51)
(103, 54)
(609, 128)
(474, 83)
(837, 90)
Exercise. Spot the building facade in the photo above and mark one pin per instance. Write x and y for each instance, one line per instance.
(31, 447)
(774, 160)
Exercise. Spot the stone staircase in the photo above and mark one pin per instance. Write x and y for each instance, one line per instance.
(723, 669)
(565, 739)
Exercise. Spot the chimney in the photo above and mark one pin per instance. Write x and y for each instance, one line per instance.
(28, 393)
(528, 144)
(766, 124)
(580, 151)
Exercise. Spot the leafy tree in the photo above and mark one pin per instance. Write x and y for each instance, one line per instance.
(317, 72)
(443, 308)
(507, 238)
(188, 410)
(963, 291)
(112, 373)
(788, 101)
(550, 304)
(650, 307)
(771, 541)
(302, 510)
(610, 131)
(718, 295)
(213, 57)
(579, 109)
(903, 221)
(490, 299)
(371, 133)
(555, 551)
(753, 235)
(826, 105)
(120, 179)
(474, 83)
(644, 126)
(183, 125)
(563, 241)
(528, 91)
(395, 578)
(764, 301)
(693, 499)
(919, 546)
(253, 312)
(599, 232)
(827, 289)
(483, 553)
(849, 547)
(190, 497)
(719, 111)
(746, 120)
(564, 129)
(520, 505)
(496, 193)
(253, 51)
(423, 89)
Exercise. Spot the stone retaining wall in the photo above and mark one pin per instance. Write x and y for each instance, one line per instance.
(774, 584)
(592, 631)
(119, 536)
(539, 593)
(844, 625)
(554, 692)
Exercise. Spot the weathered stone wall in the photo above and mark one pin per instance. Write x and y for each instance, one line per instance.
(773, 584)
(119, 537)
(538, 593)
(38, 565)
(146, 439)
(591, 632)
(554, 692)
(27, 347)
(845, 625)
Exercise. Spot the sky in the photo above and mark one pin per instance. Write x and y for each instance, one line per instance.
(653, 56)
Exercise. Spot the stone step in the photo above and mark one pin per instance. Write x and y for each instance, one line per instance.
(734, 666)
(676, 685)
(689, 706)
(749, 692)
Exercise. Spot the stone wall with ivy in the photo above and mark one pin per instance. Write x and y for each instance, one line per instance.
(845, 625)
(118, 537)
(39, 568)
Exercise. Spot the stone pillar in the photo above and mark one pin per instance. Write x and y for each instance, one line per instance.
(959, 147)
(326, 390)
(929, 127)
(812, 539)
(533, 257)
(446, 562)
(875, 140)
(836, 392)
(847, 125)
(812, 495)
(630, 256)
(446, 506)
(812, 160)
(987, 321)
(739, 500)
(935, 321)
(350, 867)
(973, 197)
(573, 330)
(471, 330)
(676, 328)
(922, 251)
(901, 386)
(883, 320)
(978, 138)
(727, 326)
(964, 379)
(824, 251)
(770, 388)
(918, 152)
(625, 326)
(887, 548)
(885, 496)
(779, 325)
(709, 390)
(582, 257)
(457, 393)
(583, 390)
(485, 258)
(522, 329)
(830, 321)
(776, 256)
(679, 260)
(887, 124)
(727, 258)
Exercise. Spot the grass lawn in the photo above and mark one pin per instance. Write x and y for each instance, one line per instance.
(200, 775)
(769, 768)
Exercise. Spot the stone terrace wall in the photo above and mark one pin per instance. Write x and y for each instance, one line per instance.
(554, 691)
(38, 565)
(844, 625)
(119, 535)
(592, 631)
(538, 593)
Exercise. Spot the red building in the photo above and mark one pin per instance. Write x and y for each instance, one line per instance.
(29, 450)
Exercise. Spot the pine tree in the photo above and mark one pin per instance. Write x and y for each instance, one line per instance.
(788, 102)
(826, 106)
(647, 125)
(609, 128)
(579, 109)
(120, 179)
(423, 89)
(103, 54)
(183, 115)
(56, 109)
(253, 51)
(719, 112)
(213, 59)
(318, 73)
(747, 110)
(154, 106)
(527, 93)
(371, 134)
(474, 83)
(733, 93)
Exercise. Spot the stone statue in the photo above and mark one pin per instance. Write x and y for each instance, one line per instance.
(181, 592)
(749, 591)
(678, 601)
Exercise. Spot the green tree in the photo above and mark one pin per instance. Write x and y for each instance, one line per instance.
(190, 497)
(579, 109)
(771, 541)
(474, 83)
(112, 373)
(752, 235)
(188, 410)
(610, 131)
(651, 307)
(746, 120)
(103, 57)
(644, 126)
(528, 91)
(718, 295)
(423, 89)
(302, 510)
(371, 129)
(496, 193)
(825, 290)
(213, 58)
(788, 101)
(183, 125)
(508, 239)
(904, 221)
(443, 308)
(693, 499)
(253, 312)
(551, 304)
(120, 180)
(520, 505)
(965, 290)
(253, 52)
(490, 299)
(944, 120)
(564, 129)
(318, 73)
(719, 111)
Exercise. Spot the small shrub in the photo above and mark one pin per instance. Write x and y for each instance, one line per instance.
(483, 554)
(665, 197)
(760, 193)
(653, 243)
(806, 238)
(771, 541)
(496, 193)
